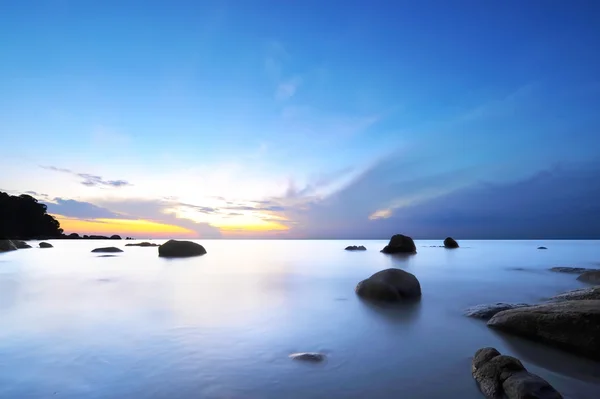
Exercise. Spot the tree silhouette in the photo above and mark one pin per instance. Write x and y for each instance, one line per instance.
(23, 217)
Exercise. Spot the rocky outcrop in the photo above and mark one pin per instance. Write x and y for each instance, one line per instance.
(487, 311)
(572, 325)
(571, 270)
(107, 250)
(180, 249)
(505, 376)
(46, 245)
(308, 356)
(581, 294)
(592, 277)
(21, 244)
(7, 245)
(143, 244)
(400, 244)
(356, 248)
(390, 285)
(449, 242)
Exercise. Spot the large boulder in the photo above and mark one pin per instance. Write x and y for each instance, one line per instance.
(143, 244)
(592, 277)
(7, 245)
(487, 311)
(356, 248)
(180, 249)
(45, 245)
(107, 250)
(570, 325)
(21, 244)
(400, 244)
(450, 242)
(505, 376)
(581, 294)
(389, 285)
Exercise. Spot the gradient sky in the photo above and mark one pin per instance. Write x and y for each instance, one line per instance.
(337, 119)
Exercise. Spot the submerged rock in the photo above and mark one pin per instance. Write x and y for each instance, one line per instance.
(592, 277)
(7, 245)
(449, 242)
(180, 249)
(21, 244)
(389, 285)
(356, 248)
(487, 311)
(400, 244)
(505, 376)
(579, 294)
(308, 356)
(46, 245)
(572, 325)
(143, 244)
(542, 248)
(107, 250)
(571, 270)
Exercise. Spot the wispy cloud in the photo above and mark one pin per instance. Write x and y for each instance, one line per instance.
(287, 88)
(90, 180)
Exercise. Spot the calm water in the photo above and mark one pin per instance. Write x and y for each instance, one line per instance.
(77, 325)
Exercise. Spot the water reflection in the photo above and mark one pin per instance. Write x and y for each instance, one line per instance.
(405, 312)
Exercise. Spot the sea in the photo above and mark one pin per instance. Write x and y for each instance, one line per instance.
(77, 324)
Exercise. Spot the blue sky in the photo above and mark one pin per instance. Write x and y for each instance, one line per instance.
(278, 116)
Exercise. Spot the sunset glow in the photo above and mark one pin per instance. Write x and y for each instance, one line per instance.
(123, 227)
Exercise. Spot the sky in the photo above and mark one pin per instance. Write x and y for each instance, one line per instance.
(280, 119)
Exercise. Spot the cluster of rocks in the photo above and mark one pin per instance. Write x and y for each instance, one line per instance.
(13, 245)
(355, 248)
(170, 249)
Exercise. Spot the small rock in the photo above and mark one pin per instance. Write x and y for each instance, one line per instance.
(107, 250)
(592, 277)
(571, 270)
(579, 294)
(487, 311)
(356, 248)
(143, 244)
(7, 245)
(308, 356)
(542, 248)
(505, 376)
(46, 245)
(400, 244)
(180, 249)
(449, 242)
(115, 237)
(389, 285)
(21, 244)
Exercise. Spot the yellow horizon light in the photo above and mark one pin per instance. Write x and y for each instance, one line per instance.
(104, 226)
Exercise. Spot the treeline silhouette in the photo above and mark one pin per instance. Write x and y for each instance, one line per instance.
(24, 218)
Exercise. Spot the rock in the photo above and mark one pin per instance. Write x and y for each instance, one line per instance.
(7, 245)
(180, 249)
(21, 244)
(46, 245)
(572, 325)
(308, 356)
(571, 270)
(592, 277)
(356, 248)
(487, 311)
(73, 236)
(389, 285)
(449, 242)
(143, 244)
(115, 237)
(107, 250)
(542, 248)
(579, 294)
(505, 376)
(400, 244)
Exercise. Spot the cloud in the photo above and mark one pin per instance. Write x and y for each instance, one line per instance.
(286, 89)
(79, 209)
(90, 180)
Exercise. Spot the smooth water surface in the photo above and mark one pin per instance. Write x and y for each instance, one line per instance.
(78, 325)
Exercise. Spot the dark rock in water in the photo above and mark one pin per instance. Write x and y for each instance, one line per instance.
(73, 236)
(356, 248)
(400, 244)
(115, 237)
(542, 248)
(21, 244)
(571, 270)
(572, 325)
(505, 376)
(180, 249)
(46, 245)
(107, 250)
(308, 356)
(592, 277)
(578, 295)
(143, 244)
(449, 242)
(389, 285)
(7, 245)
(487, 311)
